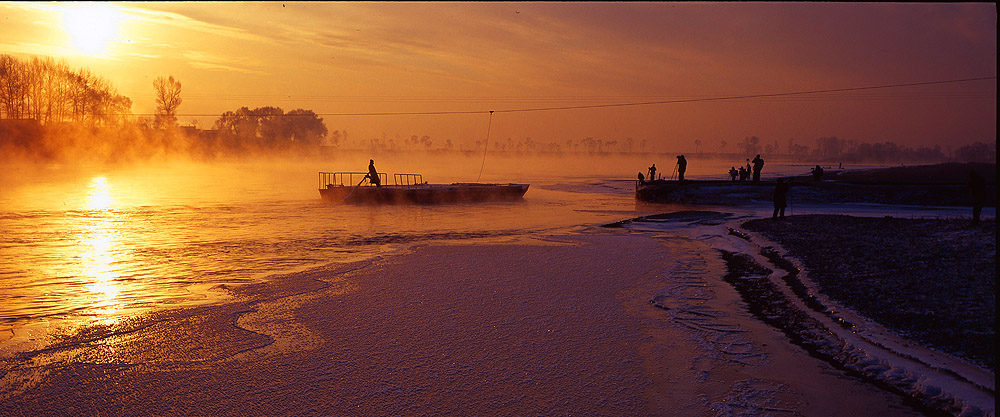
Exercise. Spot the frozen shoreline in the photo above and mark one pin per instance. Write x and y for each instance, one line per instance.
(931, 279)
(607, 322)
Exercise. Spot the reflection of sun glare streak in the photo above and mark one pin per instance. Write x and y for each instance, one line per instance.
(99, 255)
(92, 26)
(100, 194)
(98, 268)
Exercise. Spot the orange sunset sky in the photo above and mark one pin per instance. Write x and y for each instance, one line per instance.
(337, 58)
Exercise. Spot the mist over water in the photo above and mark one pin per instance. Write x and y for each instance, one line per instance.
(95, 243)
(91, 243)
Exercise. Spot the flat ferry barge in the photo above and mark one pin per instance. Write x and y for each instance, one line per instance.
(340, 187)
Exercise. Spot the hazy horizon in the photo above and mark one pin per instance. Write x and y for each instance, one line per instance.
(347, 61)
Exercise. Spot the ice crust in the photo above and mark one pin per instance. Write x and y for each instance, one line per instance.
(608, 322)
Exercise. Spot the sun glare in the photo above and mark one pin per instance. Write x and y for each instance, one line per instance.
(91, 26)
(100, 194)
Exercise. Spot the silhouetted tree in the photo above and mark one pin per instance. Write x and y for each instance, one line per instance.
(829, 147)
(750, 145)
(168, 99)
(48, 91)
(977, 152)
(271, 128)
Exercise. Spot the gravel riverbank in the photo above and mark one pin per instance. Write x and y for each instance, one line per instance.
(931, 280)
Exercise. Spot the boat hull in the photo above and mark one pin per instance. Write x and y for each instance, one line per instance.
(424, 193)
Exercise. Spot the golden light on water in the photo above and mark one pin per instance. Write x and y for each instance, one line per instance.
(100, 254)
(99, 197)
(91, 26)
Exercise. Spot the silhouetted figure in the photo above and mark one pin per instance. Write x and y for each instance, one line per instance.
(758, 165)
(373, 174)
(732, 173)
(748, 168)
(977, 187)
(817, 173)
(780, 200)
(642, 179)
(744, 174)
(682, 165)
(652, 173)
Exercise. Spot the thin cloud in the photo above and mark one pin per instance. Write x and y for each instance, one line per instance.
(205, 61)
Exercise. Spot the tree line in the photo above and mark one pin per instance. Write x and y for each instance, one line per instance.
(834, 149)
(50, 111)
(49, 91)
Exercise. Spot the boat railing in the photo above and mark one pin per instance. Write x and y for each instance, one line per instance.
(409, 180)
(337, 179)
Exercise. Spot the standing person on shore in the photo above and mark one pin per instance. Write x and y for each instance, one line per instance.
(732, 173)
(681, 167)
(780, 199)
(817, 173)
(977, 187)
(758, 165)
(373, 174)
(652, 173)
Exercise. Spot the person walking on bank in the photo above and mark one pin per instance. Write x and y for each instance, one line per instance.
(758, 165)
(780, 199)
(681, 167)
(977, 186)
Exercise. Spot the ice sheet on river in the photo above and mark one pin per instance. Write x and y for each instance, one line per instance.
(612, 321)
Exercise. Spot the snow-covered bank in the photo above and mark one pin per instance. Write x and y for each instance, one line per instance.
(783, 295)
(606, 322)
(933, 280)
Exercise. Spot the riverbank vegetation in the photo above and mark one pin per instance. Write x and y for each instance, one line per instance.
(52, 112)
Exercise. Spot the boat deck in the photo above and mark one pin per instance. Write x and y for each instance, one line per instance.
(410, 188)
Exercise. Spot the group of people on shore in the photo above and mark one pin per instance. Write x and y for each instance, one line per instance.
(681, 168)
(752, 170)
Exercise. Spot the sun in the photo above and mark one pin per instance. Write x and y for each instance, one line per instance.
(91, 26)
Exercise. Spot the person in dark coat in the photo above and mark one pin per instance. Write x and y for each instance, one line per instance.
(652, 173)
(373, 174)
(642, 179)
(682, 165)
(732, 173)
(977, 187)
(780, 198)
(817, 173)
(758, 165)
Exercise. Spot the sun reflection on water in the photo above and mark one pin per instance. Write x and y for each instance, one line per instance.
(100, 194)
(100, 252)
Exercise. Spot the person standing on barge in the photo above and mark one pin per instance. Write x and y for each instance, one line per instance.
(373, 174)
